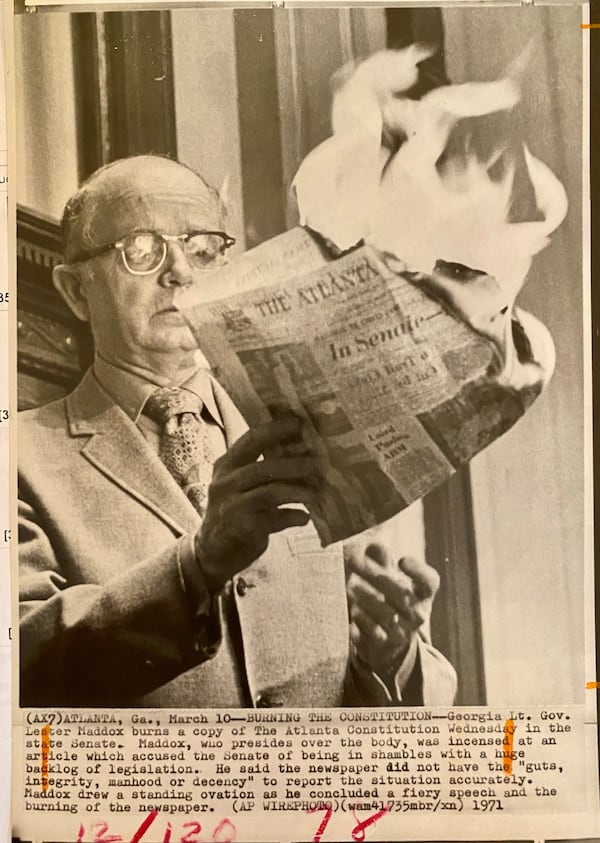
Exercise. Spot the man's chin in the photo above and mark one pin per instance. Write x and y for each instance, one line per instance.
(173, 339)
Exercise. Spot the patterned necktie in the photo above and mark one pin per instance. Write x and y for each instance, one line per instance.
(184, 446)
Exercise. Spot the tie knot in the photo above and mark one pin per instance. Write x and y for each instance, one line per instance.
(167, 402)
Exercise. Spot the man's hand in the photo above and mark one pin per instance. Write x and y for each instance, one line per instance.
(246, 498)
(389, 600)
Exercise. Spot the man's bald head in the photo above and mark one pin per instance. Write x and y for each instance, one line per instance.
(135, 193)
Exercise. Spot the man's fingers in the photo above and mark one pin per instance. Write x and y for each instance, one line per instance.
(375, 557)
(370, 630)
(368, 599)
(253, 443)
(374, 644)
(425, 578)
(355, 553)
(269, 497)
(379, 553)
(422, 578)
(283, 518)
(295, 448)
(391, 618)
(393, 583)
(275, 469)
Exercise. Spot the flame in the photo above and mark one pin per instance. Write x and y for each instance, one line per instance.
(379, 179)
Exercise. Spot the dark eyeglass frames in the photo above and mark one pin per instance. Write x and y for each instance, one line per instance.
(144, 252)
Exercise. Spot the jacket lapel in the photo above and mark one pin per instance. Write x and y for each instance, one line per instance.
(117, 449)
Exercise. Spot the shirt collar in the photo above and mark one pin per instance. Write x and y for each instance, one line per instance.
(131, 391)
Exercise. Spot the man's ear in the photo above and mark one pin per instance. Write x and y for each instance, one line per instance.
(68, 282)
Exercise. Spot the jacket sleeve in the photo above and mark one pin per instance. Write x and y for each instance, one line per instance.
(105, 644)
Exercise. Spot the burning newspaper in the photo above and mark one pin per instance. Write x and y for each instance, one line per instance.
(388, 321)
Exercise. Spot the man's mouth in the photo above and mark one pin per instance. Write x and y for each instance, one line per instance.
(170, 312)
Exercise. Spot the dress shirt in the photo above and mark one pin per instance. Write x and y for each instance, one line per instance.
(131, 391)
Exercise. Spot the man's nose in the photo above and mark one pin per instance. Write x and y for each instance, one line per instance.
(176, 271)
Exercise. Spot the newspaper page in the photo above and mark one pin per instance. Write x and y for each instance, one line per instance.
(395, 391)
(193, 663)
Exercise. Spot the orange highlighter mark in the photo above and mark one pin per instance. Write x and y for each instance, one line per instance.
(591, 685)
(507, 744)
(45, 754)
(590, 25)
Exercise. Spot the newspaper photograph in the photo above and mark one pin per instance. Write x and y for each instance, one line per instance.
(303, 371)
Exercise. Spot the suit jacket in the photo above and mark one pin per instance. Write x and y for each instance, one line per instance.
(105, 618)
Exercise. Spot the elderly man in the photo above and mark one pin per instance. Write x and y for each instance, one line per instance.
(145, 580)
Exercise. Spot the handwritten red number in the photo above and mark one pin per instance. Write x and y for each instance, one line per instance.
(143, 827)
(168, 830)
(100, 834)
(324, 822)
(195, 828)
(358, 832)
(221, 827)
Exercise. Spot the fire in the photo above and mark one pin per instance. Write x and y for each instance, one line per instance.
(379, 177)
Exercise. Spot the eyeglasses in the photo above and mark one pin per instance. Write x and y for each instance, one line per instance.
(144, 252)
